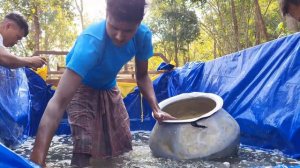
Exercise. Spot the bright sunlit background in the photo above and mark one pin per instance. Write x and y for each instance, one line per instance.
(94, 9)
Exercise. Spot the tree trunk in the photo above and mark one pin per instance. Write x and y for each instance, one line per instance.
(188, 54)
(235, 27)
(257, 33)
(247, 35)
(227, 48)
(260, 24)
(176, 52)
(214, 37)
(215, 49)
(80, 10)
(37, 29)
(176, 47)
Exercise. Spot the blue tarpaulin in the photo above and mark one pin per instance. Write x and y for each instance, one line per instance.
(9, 159)
(41, 93)
(260, 87)
(24, 97)
(14, 106)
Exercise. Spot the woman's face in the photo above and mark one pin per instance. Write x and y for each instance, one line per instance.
(120, 32)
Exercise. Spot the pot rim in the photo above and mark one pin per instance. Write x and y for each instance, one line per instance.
(217, 99)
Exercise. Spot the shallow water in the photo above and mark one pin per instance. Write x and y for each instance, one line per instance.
(60, 154)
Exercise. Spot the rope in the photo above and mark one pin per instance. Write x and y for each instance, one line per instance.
(142, 111)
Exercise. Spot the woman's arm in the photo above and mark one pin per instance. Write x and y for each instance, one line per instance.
(145, 84)
(54, 111)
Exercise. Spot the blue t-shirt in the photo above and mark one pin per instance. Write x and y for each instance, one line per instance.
(97, 60)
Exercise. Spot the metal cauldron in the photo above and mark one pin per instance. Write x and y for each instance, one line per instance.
(203, 129)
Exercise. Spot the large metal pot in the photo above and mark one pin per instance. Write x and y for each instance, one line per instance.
(203, 128)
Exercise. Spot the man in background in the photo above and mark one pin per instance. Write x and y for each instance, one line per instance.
(12, 29)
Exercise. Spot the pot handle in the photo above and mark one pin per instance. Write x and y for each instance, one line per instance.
(195, 124)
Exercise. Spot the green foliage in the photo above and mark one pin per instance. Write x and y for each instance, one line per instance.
(55, 19)
(176, 26)
(175, 23)
(215, 19)
(199, 1)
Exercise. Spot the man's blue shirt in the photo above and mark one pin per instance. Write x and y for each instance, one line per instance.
(97, 60)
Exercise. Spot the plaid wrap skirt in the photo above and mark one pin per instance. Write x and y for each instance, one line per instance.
(99, 123)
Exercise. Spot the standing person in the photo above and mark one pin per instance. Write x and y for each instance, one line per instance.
(12, 29)
(97, 115)
(290, 7)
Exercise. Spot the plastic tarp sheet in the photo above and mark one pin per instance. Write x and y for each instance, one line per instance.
(14, 106)
(9, 159)
(24, 97)
(41, 93)
(260, 87)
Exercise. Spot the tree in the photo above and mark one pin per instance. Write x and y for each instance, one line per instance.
(51, 22)
(261, 29)
(234, 25)
(79, 7)
(175, 23)
(226, 26)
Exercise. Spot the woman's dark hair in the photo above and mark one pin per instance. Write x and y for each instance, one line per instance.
(284, 5)
(19, 20)
(126, 10)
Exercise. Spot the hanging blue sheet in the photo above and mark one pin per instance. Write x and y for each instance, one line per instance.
(260, 87)
(41, 93)
(14, 106)
(24, 96)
